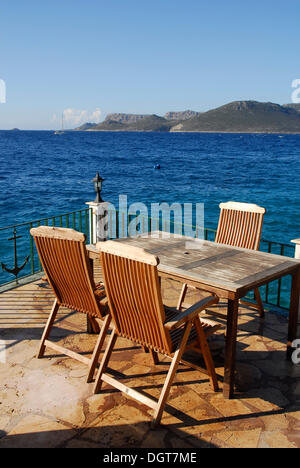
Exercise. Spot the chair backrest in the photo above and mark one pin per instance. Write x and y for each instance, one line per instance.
(66, 264)
(133, 292)
(240, 225)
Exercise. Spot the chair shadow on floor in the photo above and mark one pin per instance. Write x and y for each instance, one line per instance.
(125, 436)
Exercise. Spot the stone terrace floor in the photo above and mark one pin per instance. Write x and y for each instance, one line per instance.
(47, 403)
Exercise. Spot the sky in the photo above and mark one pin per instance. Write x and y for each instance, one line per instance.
(87, 59)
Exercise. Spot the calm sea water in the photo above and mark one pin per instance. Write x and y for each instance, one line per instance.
(43, 174)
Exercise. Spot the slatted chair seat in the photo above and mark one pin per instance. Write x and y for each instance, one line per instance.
(240, 225)
(209, 328)
(135, 302)
(65, 261)
(176, 335)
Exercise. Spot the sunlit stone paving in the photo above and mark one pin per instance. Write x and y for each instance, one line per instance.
(47, 402)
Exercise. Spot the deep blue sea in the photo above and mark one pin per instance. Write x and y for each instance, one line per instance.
(43, 174)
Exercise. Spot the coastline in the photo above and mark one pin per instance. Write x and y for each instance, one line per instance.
(237, 132)
(230, 132)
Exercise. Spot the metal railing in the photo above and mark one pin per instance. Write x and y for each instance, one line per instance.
(16, 245)
(277, 293)
(18, 256)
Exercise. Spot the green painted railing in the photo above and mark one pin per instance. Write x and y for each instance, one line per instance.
(17, 246)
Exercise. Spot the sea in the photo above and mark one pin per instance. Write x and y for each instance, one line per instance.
(43, 174)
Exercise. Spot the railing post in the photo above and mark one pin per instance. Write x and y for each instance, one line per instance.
(98, 221)
(297, 255)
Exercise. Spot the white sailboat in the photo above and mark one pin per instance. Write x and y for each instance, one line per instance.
(60, 132)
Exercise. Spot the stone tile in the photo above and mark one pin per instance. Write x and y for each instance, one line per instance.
(122, 426)
(255, 344)
(97, 405)
(294, 437)
(4, 421)
(55, 395)
(138, 369)
(119, 365)
(155, 439)
(275, 439)
(294, 414)
(176, 443)
(81, 442)
(37, 431)
(203, 441)
(130, 413)
(248, 375)
(275, 367)
(229, 408)
(187, 401)
(275, 422)
(269, 397)
(240, 439)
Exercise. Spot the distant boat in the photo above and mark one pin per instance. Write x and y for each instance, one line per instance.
(60, 132)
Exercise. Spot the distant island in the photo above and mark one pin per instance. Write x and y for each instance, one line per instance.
(235, 117)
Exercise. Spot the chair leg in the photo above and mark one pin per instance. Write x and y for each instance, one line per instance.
(259, 303)
(105, 361)
(170, 377)
(98, 347)
(154, 356)
(182, 296)
(94, 324)
(47, 329)
(205, 350)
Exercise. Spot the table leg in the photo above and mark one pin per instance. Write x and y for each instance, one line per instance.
(230, 348)
(294, 311)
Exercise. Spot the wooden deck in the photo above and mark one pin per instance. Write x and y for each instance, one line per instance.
(46, 402)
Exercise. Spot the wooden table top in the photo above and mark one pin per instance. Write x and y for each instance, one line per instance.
(218, 266)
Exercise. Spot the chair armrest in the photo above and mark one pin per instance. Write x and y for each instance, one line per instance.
(191, 312)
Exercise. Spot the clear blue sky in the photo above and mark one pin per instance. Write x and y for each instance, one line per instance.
(142, 56)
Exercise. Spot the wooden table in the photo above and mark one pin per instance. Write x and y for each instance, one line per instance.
(229, 272)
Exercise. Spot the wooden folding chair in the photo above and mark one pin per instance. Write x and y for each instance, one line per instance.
(65, 261)
(240, 225)
(135, 302)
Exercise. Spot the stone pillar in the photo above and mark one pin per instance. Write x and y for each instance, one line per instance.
(98, 221)
(98, 232)
(297, 248)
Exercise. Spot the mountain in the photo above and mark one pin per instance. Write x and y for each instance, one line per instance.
(235, 117)
(293, 106)
(244, 116)
(126, 118)
(86, 126)
(183, 115)
(149, 123)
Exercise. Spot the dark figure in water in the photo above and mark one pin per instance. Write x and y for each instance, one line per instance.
(157, 166)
